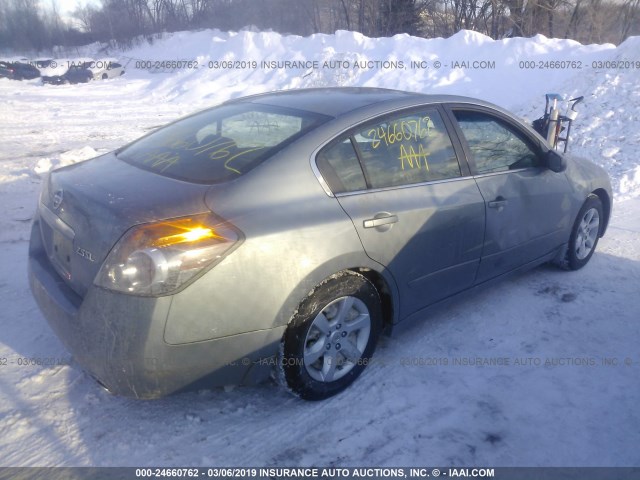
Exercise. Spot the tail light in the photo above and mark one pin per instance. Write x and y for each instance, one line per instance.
(160, 258)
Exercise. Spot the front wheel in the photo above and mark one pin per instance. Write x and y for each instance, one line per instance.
(331, 338)
(584, 235)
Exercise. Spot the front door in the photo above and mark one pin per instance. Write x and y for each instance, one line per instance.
(527, 205)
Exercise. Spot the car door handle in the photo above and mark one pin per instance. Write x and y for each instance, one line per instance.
(498, 203)
(380, 220)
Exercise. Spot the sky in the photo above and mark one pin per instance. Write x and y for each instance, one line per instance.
(67, 7)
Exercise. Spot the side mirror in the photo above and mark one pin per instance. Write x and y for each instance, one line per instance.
(555, 162)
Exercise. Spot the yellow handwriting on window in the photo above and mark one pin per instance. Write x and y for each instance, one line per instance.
(161, 160)
(402, 130)
(411, 158)
(214, 149)
(211, 146)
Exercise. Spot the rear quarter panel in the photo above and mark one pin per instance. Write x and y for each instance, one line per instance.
(295, 237)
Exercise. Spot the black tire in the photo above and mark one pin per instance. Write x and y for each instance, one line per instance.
(105, 76)
(578, 252)
(348, 294)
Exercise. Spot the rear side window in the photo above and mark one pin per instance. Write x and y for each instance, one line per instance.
(407, 149)
(220, 144)
(339, 166)
(495, 145)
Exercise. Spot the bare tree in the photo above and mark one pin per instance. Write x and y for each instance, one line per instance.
(24, 25)
(630, 19)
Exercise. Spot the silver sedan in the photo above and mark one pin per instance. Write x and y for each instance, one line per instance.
(281, 234)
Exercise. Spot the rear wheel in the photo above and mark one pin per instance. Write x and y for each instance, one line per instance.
(584, 235)
(331, 338)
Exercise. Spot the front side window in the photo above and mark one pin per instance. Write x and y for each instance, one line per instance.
(494, 145)
(220, 144)
(407, 149)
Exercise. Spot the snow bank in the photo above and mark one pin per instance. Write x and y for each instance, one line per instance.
(46, 164)
(185, 71)
(494, 71)
(514, 73)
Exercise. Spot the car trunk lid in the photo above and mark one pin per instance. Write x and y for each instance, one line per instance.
(85, 209)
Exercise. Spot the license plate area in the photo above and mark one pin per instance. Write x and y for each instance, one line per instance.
(58, 240)
(61, 250)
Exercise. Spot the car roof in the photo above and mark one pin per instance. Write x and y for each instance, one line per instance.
(339, 101)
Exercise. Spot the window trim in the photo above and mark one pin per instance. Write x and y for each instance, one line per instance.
(529, 139)
(396, 187)
(349, 132)
(363, 167)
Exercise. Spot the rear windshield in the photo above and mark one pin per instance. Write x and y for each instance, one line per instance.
(219, 144)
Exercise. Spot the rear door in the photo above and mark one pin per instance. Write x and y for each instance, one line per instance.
(416, 210)
(527, 205)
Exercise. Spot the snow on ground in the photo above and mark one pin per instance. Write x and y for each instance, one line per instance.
(574, 410)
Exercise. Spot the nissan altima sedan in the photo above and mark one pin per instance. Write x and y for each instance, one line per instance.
(280, 234)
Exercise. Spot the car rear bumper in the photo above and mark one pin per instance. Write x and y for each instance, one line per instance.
(119, 339)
